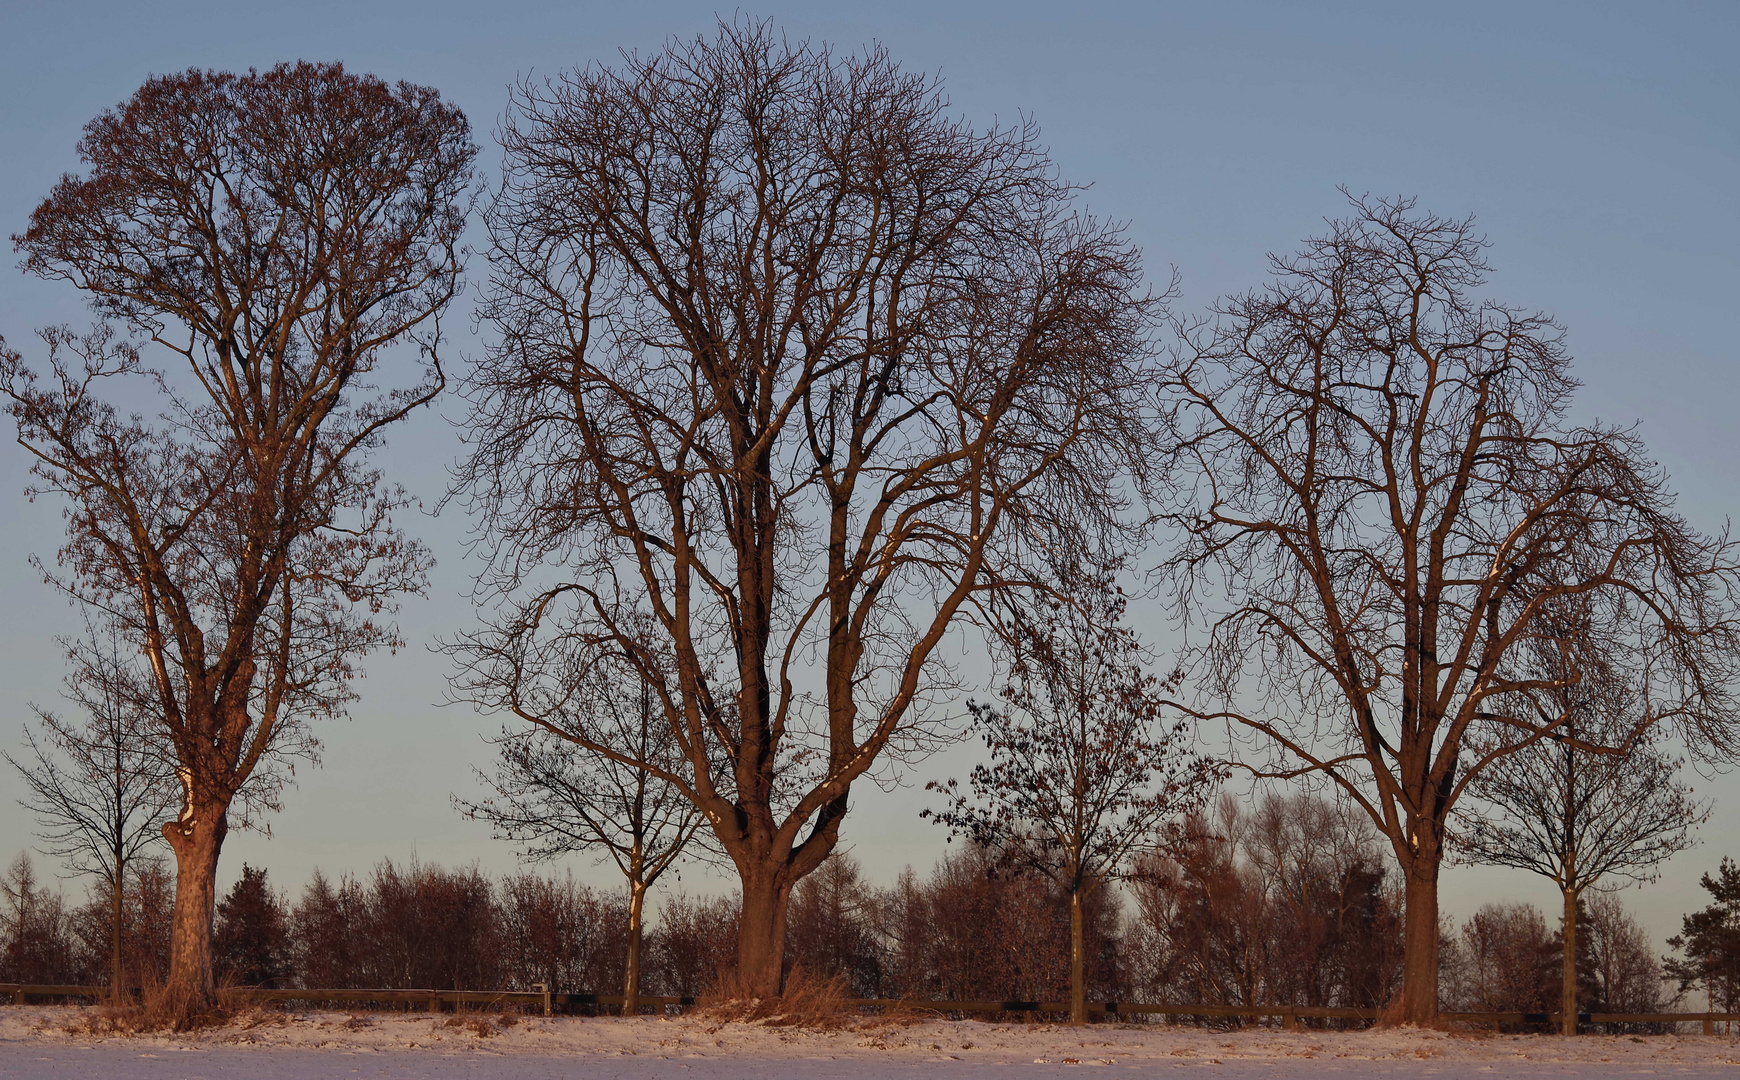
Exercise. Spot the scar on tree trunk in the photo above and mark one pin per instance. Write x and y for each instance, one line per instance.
(190, 991)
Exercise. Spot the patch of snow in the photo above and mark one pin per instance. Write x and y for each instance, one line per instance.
(44, 1041)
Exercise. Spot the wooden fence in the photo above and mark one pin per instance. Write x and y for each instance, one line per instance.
(550, 1003)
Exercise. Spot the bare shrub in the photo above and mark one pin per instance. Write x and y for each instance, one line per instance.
(694, 945)
(1289, 904)
(1504, 961)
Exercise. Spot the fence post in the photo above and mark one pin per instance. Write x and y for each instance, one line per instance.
(1289, 1019)
(434, 1001)
(544, 989)
(1709, 1025)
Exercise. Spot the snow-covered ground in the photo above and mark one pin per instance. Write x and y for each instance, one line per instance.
(42, 1041)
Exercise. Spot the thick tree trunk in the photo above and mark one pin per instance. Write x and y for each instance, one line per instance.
(1568, 990)
(191, 990)
(1077, 962)
(631, 982)
(761, 934)
(117, 984)
(1419, 1004)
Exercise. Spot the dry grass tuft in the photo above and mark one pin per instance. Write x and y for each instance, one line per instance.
(483, 1023)
(898, 1015)
(156, 1012)
(808, 1002)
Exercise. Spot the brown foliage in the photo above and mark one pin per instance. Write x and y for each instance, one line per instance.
(830, 928)
(35, 945)
(1290, 904)
(694, 946)
(424, 927)
(1505, 960)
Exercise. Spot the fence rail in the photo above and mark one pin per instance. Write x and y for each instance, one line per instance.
(550, 1002)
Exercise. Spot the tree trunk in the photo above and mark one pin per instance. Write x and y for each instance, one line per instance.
(761, 934)
(117, 984)
(1419, 1004)
(1568, 992)
(190, 990)
(1077, 962)
(631, 982)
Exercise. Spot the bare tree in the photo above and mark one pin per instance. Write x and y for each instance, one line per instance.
(1623, 964)
(557, 795)
(1389, 496)
(100, 790)
(1083, 776)
(274, 235)
(804, 371)
(1572, 815)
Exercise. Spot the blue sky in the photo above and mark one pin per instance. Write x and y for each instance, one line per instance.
(1598, 145)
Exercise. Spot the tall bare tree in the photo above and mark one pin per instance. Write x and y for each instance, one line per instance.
(99, 789)
(557, 795)
(1569, 814)
(804, 370)
(1389, 495)
(273, 236)
(1084, 774)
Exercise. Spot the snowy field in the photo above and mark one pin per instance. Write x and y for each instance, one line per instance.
(37, 1042)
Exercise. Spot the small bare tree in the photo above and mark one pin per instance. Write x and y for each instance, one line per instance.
(274, 235)
(1567, 813)
(1084, 775)
(1389, 497)
(557, 795)
(100, 790)
(803, 370)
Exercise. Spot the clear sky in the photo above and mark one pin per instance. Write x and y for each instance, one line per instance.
(1597, 143)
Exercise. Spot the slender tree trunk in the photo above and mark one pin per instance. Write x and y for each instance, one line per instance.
(631, 982)
(190, 989)
(1568, 993)
(1077, 961)
(1419, 1003)
(117, 984)
(761, 933)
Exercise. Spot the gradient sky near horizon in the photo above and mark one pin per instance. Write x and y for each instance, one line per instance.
(1597, 143)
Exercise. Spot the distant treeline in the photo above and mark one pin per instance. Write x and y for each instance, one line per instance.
(1289, 903)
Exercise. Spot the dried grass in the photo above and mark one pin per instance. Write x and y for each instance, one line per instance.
(483, 1022)
(156, 1012)
(808, 1001)
(898, 1015)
